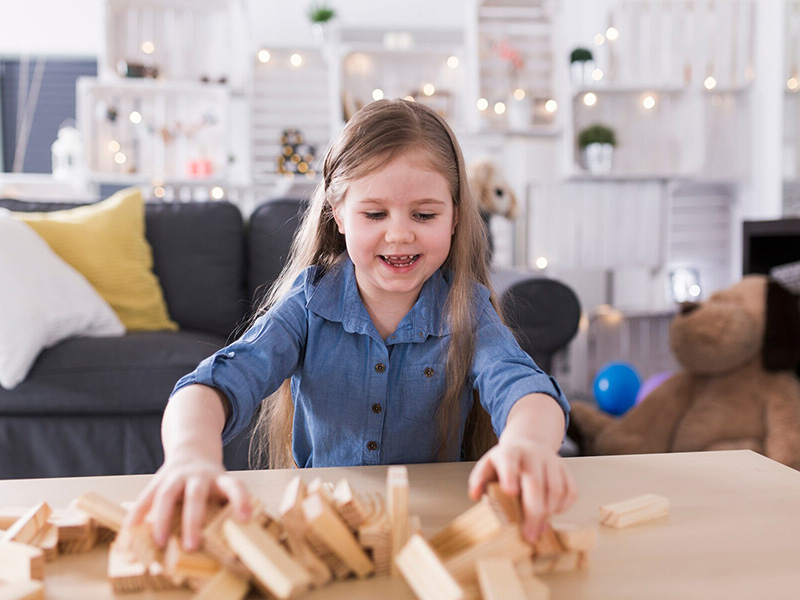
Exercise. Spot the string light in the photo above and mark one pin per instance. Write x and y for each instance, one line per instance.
(428, 89)
(597, 74)
(599, 39)
(264, 55)
(120, 158)
(135, 117)
(589, 99)
(648, 102)
(519, 94)
(612, 33)
(710, 83)
(482, 104)
(410, 98)
(113, 146)
(148, 47)
(499, 108)
(217, 192)
(296, 60)
(541, 262)
(452, 62)
(159, 191)
(377, 94)
(792, 83)
(551, 106)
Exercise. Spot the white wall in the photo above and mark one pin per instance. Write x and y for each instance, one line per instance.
(53, 27)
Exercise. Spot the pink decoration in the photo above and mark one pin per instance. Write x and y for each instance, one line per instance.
(650, 384)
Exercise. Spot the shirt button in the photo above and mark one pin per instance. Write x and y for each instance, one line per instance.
(372, 446)
(231, 354)
(428, 372)
(376, 408)
(380, 367)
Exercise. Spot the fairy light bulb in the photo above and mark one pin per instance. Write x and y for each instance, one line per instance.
(377, 94)
(264, 56)
(589, 99)
(648, 102)
(482, 104)
(710, 83)
(551, 106)
(452, 62)
(296, 60)
(428, 89)
(499, 108)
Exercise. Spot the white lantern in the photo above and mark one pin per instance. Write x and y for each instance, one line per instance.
(66, 151)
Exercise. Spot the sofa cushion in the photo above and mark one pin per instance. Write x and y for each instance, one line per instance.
(198, 256)
(43, 301)
(132, 374)
(272, 227)
(106, 243)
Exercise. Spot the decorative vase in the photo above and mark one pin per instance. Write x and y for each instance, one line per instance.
(582, 72)
(519, 113)
(598, 158)
(318, 30)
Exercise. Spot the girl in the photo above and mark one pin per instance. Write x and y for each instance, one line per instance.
(380, 342)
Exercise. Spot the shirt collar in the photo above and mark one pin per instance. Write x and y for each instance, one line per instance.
(335, 297)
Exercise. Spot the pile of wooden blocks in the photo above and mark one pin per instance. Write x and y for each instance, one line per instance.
(321, 533)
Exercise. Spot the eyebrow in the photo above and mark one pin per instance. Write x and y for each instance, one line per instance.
(415, 202)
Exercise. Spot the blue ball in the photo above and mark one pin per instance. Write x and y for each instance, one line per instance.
(616, 386)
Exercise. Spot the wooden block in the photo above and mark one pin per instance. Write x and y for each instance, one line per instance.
(329, 527)
(182, 564)
(572, 537)
(397, 509)
(124, 574)
(547, 543)
(558, 563)
(74, 525)
(424, 572)
(214, 542)
(47, 540)
(107, 513)
(506, 544)
(324, 489)
(27, 527)
(138, 543)
(535, 588)
(472, 526)
(349, 505)
(225, 585)
(21, 562)
(266, 559)
(291, 511)
(503, 503)
(634, 511)
(375, 535)
(499, 580)
(28, 590)
(9, 514)
(158, 580)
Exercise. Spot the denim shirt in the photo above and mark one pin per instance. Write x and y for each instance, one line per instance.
(360, 399)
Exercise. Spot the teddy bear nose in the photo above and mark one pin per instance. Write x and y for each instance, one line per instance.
(498, 191)
(687, 307)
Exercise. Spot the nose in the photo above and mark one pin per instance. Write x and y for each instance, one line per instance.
(399, 231)
(688, 307)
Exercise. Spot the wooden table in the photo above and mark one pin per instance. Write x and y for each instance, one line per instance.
(733, 529)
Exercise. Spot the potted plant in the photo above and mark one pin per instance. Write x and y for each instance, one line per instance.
(597, 143)
(320, 14)
(582, 64)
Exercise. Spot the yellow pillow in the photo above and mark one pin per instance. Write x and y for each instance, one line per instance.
(105, 242)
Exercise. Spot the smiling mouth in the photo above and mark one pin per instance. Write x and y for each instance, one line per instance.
(405, 260)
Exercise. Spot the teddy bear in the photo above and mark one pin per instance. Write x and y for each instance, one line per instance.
(493, 192)
(737, 387)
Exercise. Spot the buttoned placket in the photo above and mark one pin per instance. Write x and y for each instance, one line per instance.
(375, 403)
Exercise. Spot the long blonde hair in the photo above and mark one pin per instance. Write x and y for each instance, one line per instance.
(375, 135)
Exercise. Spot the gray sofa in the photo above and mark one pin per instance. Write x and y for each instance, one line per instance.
(92, 406)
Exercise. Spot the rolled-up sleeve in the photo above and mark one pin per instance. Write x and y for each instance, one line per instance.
(502, 372)
(254, 366)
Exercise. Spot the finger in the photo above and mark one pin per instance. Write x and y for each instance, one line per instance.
(482, 473)
(194, 506)
(532, 506)
(555, 491)
(238, 495)
(163, 506)
(141, 507)
(508, 470)
(571, 489)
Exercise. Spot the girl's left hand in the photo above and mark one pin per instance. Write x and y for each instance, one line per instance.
(529, 469)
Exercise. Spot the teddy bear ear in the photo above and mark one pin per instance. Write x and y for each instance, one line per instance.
(781, 348)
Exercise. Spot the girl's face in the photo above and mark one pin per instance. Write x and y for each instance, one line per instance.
(398, 222)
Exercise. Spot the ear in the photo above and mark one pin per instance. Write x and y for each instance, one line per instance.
(338, 218)
(782, 329)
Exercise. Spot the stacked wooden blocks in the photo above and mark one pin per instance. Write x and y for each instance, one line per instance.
(321, 533)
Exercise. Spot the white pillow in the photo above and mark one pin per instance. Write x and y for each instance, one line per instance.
(43, 301)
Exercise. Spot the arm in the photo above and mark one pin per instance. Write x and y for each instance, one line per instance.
(526, 462)
(193, 470)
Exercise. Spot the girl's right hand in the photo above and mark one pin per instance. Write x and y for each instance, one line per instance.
(194, 479)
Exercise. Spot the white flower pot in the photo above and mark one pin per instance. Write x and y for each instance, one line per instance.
(582, 73)
(598, 158)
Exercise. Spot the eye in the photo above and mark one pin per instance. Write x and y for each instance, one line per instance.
(374, 216)
(425, 216)
(498, 191)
